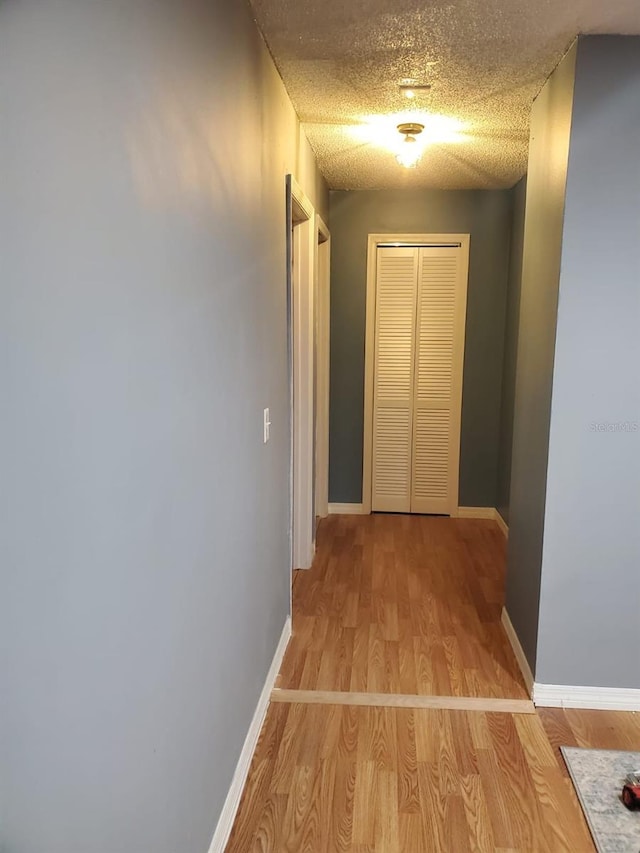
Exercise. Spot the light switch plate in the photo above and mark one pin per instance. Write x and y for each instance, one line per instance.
(266, 424)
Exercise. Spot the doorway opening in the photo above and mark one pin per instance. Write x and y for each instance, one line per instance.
(308, 310)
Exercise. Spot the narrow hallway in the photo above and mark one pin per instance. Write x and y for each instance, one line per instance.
(368, 745)
(403, 604)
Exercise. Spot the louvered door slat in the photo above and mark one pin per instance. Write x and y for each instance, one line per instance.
(441, 301)
(397, 270)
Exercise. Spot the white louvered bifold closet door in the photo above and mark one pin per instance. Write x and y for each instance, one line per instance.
(439, 353)
(417, 395)
(393, 392)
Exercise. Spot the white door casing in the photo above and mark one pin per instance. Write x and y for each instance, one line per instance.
(414, 353)
(302, 336)
(323, 255)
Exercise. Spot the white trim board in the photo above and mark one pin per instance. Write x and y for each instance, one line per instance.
(230, 808)
(502, 524)
(322, 268)
(402, 700)
(302, 315)
(518, 651)
(369, 342)
(595, 698)
(477, 512)
(347, 509)
(567, 695)
(488, 512)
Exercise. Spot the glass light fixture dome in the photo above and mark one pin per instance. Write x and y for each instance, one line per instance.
(410, 152)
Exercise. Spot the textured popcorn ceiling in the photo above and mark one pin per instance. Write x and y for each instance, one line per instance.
(342, 61)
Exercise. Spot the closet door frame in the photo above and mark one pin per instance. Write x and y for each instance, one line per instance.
(374, 240)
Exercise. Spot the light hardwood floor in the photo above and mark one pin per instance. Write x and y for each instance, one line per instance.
(389, 780)
(403, 604)
(331, 778)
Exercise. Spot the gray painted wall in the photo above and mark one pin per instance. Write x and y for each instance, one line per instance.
(590, 599)
(143, 524)
(547, 171)
(486, 216)
(512, 319)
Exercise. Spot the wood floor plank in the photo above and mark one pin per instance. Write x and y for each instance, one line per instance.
(447, 760)
(401, 700)
(386, 812)
(411, 832)
(348, 743)
(408, 795)
(359, 670)
(497, 805)
(364, 803)
(476, 814)
(456, 827)
(325, 794)
(251, 806)
(433, 806)
(287, 756)
(514, 778)
(463, 744)
(558, 732)
(377, 738)
(298, 823)
(268, 833)
(341, 813)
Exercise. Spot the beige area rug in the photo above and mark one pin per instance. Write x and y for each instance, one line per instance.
(598, 776)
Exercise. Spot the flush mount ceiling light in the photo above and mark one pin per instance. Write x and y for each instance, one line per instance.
(411, 88)
(410, 152)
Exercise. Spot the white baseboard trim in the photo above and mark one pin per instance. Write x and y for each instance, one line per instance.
(488, 512)
(347, 509)
(502, 524)
(476, 512)
(518, 651)
(230, 808)
(566, 695)
(596, 698)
